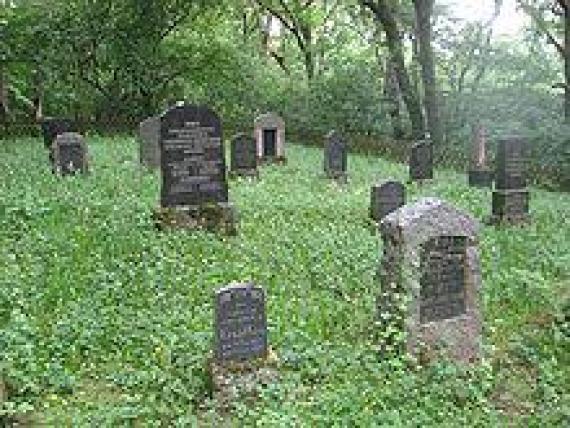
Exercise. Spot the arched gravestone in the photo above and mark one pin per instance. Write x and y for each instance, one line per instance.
(243, 156)
(269, 134)
(149, 137)
(431, 267)
(480, 175)
(421, 160)
(194, 189)
(335, 156)
(385, 197)
(511, 197)
(69, 154)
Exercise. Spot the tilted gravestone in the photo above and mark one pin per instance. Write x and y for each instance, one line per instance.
(511, 197)
(69, 152)
(480, 175)
(385, 197)
(243, 156)
(149, 137)
(421, 161)
(430, 278)
(269, 133)
(194, 191)
(335, 154)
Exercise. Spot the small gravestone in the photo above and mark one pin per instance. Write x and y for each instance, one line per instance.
(480, 175)
(52, 127)
(430, 278)
(194, 191)
(511, 196)
(149, 137)
(385, 197)
(269, 133)
(335, 156)
(69, 154)
(242, 359)
(243, 156)
(421, 161)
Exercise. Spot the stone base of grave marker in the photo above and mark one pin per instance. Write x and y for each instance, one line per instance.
(247, 173)
(214, 217)
(510, 207)
(267, 160)
(337, 175)
(480, 178)
(235, 380)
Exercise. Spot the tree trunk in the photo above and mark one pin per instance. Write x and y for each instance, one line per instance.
(3, 96)
(424, 9)
(392, 92)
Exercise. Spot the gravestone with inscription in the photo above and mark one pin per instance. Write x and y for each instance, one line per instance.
(480, 175)
(194, 191)
(149, 137)
(511, 197)
(335, 161)
(243, 156)
(421, 160)
(430, 280)
(385, 197)
(69, 152)
(269, 134)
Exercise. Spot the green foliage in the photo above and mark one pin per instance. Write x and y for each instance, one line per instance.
(105, 321)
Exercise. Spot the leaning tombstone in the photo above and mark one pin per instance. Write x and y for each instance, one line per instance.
(510, 204)
(421, 160)
(243, 156)
(149, 137)
(269, 133)
(69, 152)
(430, 280)
(385, 197)
(480, 175)
(335, 155)
(194, 190)
(242, 359)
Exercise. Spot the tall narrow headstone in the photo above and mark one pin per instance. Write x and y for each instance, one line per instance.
(511, 196)
(480, 175)
(385, 197)
(430, 279)
(421, 161)
(335, 161)
(194, 189)
(269, 134)
(243, 156)
(69, 154)
(149, 137)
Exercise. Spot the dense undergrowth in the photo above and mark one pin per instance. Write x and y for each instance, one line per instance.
(107, 322)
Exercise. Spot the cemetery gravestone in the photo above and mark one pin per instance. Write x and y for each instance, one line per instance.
(335, 156)
(243, 156)
(149, 137)
(511, 196)
(52, 127)
(385, 197)
(69, 154)
(480, 175)
(194, 190)
(421, 161)
(431, 267)
(269, 133)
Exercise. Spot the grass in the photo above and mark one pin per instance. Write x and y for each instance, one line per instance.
(107, 322)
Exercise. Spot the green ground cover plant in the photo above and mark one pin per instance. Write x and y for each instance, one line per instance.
(105, 321)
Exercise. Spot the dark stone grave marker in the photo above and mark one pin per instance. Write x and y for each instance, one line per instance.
(243, 156)
(385, 197)
(335, 162)
(421, 161)
(269, 134)
(69, 154)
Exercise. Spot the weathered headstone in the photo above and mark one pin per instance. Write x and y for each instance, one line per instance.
(69, 154)
(335, 162)
(149, 137)
(243, 156)
(194, 190)
(511, 196)
(431, 268)
(269, 133)
(480, 175)
(385, 197)
(241, 325)
(421, 160)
